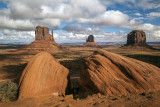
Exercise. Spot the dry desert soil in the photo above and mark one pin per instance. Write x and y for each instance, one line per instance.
(12, 65)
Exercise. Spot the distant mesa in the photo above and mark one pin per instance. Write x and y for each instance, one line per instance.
(112, 74)
(137, 39)
(90, 42)
(43, 42)
(90, 38)
(43, 75)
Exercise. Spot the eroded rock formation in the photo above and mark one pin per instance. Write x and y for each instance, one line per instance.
(113, 74)
(90, 42)
(136, 37)
(42, 33)
(90, 38)
(43, 42)
(43, 75)
(137, 40)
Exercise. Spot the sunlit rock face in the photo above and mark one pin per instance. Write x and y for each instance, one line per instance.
(112, 74)
(43, 42)
(42, 33)
(43, 75)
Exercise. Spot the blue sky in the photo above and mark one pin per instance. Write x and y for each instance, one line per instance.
(74, 20)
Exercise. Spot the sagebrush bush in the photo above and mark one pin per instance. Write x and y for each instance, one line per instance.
(8, 91)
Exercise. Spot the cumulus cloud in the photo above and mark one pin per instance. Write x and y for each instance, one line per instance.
(153, 14)
(91, 16)
(7, 23)
(143, 4)
(148, 4)
(137, 14)
(49, 12)
(109, 18)
(138, 25)
(69, 37)
(17, 35)
(81, 29)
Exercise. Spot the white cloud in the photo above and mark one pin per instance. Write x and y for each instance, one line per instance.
(137, 14)
(148, 4)
(153, 14)
(6, 32)
(109, 18)
(143, 4)
(70, 37)
(80, 29)
(24, 15)
(153, 36)
(7, 23)
(18, 35)
(48, 13)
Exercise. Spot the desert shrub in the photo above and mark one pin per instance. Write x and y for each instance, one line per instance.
(8, 91)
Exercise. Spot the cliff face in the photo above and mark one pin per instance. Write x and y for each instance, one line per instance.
(90, 38)
(43, 42)
(42, 33)
(136, 37)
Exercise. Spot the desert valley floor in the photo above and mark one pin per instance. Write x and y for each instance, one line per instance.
(12, 65)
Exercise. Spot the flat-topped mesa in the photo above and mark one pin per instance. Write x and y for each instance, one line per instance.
(42, 33)
(43, 42)
(90, 38)
(90, 42)
(137, 40)
(136, 37)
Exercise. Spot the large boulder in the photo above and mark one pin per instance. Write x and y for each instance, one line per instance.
(43, 75)
(42, 33)
(90, 42)
(112, 74)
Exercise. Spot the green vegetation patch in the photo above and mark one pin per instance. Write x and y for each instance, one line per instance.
(8, 91)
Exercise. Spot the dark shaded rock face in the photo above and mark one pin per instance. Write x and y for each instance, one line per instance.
(90, 38)
(42, 33)
(137, 37)
(90, 42)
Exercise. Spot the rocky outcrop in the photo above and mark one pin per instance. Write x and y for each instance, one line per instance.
(136, 37)
(42, 46)
(90, 38)
(112, 74)
(90, 42)
(43, 75)
(43, 42)
(137, 40)
(42, 33)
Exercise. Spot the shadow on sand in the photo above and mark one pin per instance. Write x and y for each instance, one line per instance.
(155, 60)
(14, 71)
